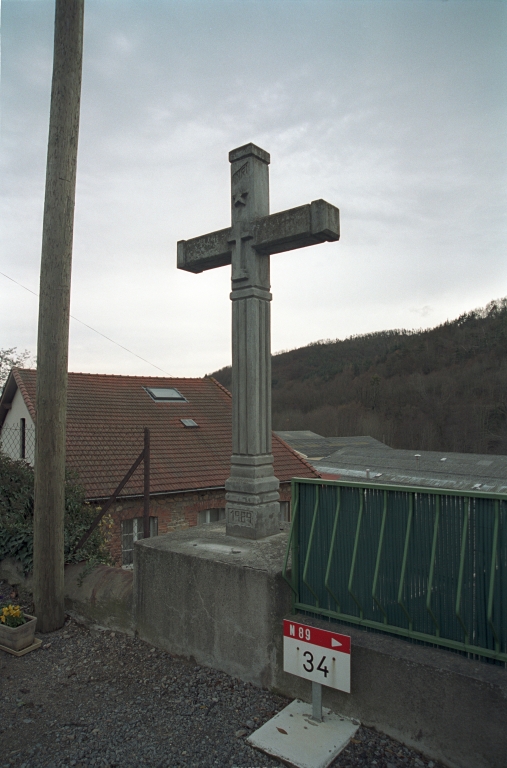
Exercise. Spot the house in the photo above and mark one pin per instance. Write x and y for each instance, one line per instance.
(190, 422)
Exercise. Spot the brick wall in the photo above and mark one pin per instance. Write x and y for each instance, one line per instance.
(174, 512)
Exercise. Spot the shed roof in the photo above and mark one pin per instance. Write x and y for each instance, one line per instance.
(315, 447)
(106, 416)
(429, 469)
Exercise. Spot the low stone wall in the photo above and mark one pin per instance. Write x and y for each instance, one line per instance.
(221, 601)
(101, 597)
(11, 571)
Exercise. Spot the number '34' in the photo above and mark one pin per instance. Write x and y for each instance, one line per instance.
(309, 667)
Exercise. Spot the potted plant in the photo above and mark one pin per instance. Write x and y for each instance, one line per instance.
(17, 629)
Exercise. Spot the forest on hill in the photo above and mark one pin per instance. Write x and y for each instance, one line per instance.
(433, 390)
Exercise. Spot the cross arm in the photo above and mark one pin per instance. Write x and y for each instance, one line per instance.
(297, 228)
(205, 252)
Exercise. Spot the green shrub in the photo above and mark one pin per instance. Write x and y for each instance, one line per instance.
(16, 518)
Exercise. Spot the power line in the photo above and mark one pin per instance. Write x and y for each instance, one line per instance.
(91, 329)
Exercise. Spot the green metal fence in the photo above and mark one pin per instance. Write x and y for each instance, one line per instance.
(425, 564)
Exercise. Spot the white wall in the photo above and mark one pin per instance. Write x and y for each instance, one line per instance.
(10, 436)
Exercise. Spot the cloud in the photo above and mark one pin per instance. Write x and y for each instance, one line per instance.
(393, 111)
(422, 311)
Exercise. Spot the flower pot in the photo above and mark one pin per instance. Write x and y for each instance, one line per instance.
(17, 638)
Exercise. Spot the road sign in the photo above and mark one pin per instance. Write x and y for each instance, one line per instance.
(317, 655)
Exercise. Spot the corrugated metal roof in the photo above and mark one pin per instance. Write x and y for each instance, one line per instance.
(430, 469)
(106, 416)
(313, 446)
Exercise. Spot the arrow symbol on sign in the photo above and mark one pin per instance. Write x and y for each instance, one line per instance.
(335, 643)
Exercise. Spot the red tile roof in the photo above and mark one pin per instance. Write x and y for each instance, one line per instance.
(106, 416)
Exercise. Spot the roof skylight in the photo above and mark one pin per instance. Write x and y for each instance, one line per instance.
(189, 423)
(165, 394)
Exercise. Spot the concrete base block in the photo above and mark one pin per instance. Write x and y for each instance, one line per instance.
(295, 738)
(204, 595)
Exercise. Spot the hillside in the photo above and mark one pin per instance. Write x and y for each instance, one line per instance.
(440, 389)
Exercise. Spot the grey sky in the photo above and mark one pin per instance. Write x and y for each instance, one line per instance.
(395, 111)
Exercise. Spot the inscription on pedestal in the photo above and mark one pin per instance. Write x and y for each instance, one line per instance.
(240, 517)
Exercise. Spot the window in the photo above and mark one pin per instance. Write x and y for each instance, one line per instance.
(131, 531)
(189, 423)
(211, 516)
(284, 511)
(165, 394)
(22, 438)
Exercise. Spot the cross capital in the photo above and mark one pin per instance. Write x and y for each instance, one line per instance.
(289, 230)
(249, 183)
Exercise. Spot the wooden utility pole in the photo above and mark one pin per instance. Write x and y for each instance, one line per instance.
(54, 304)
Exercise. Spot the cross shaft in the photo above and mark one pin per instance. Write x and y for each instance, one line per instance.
(252, 498)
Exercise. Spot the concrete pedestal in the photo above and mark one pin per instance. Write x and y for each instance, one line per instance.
(294, 737)
(214, 598)
(252, 510)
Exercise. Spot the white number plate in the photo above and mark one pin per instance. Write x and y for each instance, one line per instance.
(317, 655)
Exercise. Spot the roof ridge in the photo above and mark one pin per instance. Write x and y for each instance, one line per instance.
(220, 386)
(22, 388)
(129, 376)
(296, 454)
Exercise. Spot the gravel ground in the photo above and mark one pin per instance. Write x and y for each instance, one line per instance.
(94, 698)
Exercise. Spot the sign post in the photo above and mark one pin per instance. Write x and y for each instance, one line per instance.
(323, 657)
(317, 702)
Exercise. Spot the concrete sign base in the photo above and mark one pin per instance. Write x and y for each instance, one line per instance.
(293, 737)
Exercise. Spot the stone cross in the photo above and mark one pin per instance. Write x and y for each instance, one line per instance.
(252, 499)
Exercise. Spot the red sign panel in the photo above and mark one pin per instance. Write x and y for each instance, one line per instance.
(330, 640)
